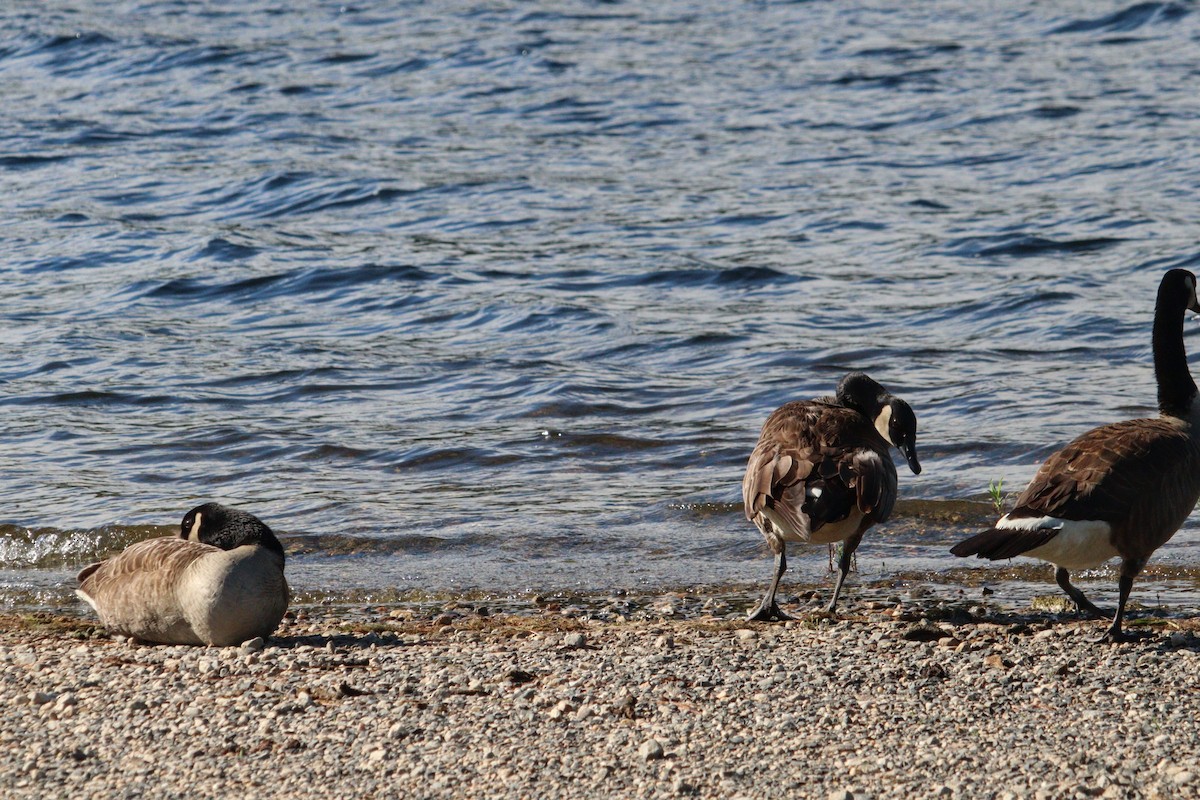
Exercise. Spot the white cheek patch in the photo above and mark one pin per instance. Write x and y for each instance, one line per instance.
(882, 422)
(194, 533)
(1079, 544)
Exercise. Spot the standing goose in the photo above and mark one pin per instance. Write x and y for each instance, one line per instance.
(822, 473)
(220, 582)
(1118, 490)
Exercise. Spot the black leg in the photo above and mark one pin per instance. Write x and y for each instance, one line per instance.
(1084, 605)
(848, 548)
(1129, 571)
(767, 609)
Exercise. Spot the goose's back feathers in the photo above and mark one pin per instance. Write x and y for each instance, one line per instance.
(1111, 473)
(817, 463)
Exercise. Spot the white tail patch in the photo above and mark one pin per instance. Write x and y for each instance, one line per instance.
(86, 597)
(1079, 543)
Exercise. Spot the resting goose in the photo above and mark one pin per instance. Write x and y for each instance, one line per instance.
(220, 582)
(822, 473)
(1118, 490)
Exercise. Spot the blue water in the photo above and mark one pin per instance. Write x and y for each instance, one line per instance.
(468, 295)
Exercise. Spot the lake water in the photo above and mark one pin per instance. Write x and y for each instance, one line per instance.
(495, 295)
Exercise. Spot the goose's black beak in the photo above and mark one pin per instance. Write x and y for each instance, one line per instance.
(909, 448)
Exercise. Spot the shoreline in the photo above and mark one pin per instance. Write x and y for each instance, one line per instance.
(923, 698)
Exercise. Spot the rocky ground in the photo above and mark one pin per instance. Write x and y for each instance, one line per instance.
(900, 697)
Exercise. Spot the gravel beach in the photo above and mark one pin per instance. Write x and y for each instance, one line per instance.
(670, 696)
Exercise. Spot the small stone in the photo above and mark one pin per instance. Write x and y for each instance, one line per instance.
(665, 642)
(375, 756)
(253, 645)
(933, 670)
(1182, 776)
(1052, 604)
(680, 786)
(562, 708)
(41, 698)
(626, 706)
(651, 750)
(575, 641)
(841, 794)
(746, 634)
(519, 676)
(137, 705)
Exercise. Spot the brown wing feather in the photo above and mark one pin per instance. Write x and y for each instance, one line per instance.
(875, 485)
(150, 560)
(817, 441)
(1106, 473)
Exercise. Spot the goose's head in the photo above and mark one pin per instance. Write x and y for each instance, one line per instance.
(897, 423)
(1187, 287)
(892, 417)
(226, 528)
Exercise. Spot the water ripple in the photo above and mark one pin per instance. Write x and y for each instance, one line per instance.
(461, 294)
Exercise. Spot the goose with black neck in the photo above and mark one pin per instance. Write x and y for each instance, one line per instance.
(1120, 490)
(822, 473)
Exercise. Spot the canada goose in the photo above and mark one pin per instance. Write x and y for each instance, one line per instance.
(1118, 490)
(821, 472)
(220, 582)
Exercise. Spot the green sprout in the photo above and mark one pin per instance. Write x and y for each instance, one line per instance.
(996, 491)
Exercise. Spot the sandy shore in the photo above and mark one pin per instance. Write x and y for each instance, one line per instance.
(920, 698)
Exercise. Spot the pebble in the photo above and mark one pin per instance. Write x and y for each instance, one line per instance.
(575, 641)
(651, 750)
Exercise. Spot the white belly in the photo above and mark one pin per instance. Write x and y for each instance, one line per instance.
(1079, 544)
(832, 532)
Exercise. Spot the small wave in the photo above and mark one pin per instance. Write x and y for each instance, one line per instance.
(1128, 19)
(908, 53)
(25, 548)
(334, 545)
(736, 277)
(1022, 245)
(293, 283)
(922, 77)
(30, 161)
(224, 250)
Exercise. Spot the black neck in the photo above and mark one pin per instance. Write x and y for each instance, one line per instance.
(271, 543)
(1176, 389)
